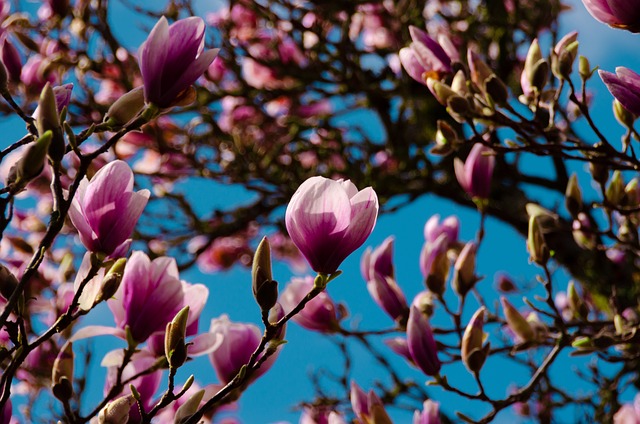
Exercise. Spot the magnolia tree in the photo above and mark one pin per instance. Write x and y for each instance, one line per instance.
(94, 205)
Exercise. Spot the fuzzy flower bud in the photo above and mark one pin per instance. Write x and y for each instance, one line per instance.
(265, 289)
(516, 322)
(62, 374)
(49, 119)
(126, 107)
(174, 339)
(537, 247)
(464, 277)
(117, 411)
(472, 352)
(573, 196)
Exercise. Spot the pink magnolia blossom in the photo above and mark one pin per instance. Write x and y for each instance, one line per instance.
(33, 74)
(624, 85)
(11, 59)
(474, 175)
(421, 343)
(149, 296)
(318, 315)
(629, 413)
(106, 209)
(429, 413)
(172, 59)
(239, 341)
(367, 407)
(425, 57)
(377, 270)
(623, 14)
(330, 219)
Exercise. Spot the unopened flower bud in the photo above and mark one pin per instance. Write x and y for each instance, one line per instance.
(464, 277)
(11, 60)
(437, 277)
(447, 139)
(615, 190)
(578, 306)
(265, 289)
(534, 55)
(126, 107)
(537, 247)
(31, 164)
(442, 92)
(478, 69)
(516, 322)
(175, 348)
(540, 75)
(472, 352)
(49, 119)
(189, 408)
(497, 90)
(111, 281)
(599, 172)
(623, 116)
(425, 302)
(62, 374)
(564, 61)
(573, 196)
(459, 83)
(632, 193)
(582, 233)
(458, 105)
(584, 68)
(117, 411)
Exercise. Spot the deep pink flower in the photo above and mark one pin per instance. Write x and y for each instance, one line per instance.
(421, 343)
(33, 73)
(239, 341)
(368, 408)
(624, 85)
(475, 174)
(172, 59)
(106, 209)
(330, 219)
(150, 295)
(429, 413)
(425, 57)
(318, 315)
(629, 413)
(449, 226)
(11, 59)
(623, 14)
(377, 270)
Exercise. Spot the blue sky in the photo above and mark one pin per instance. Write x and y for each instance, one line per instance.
(270, 398)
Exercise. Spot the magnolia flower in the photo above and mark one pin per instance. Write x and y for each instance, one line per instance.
(426, 57)
(368, 408)
(421, 343)
(624, 85)
(429, 413)
(172, 58)
(377, 270)
(319, 314)
(239, 341)
(327, 220)
(474, 175)
(623, 14)
(106, 209)
(150, 295)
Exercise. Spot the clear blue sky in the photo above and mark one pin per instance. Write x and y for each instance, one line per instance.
(270, 398)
